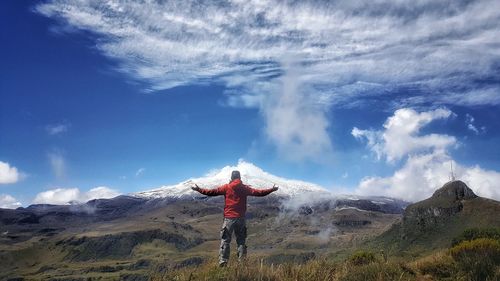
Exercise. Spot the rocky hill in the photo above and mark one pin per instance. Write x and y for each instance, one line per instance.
(433, 222)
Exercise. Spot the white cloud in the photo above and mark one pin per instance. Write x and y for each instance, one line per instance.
(57, 163)
(420, 176)
(9, 174)
(348, 52)
(473, 128)
(8, 202)
(483, 182)
(374, 140)
(61, 196)
(58, 196)
(59, 128)
(400, 134)
(469, 121)
(428, 165)
(423, 174)
(140, 172)
(100, 192)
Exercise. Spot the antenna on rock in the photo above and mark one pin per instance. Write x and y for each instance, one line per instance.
(452, 174)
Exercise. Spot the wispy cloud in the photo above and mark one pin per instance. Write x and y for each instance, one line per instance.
(339, 43)
(348, 53)
(470, 123)
(140, 172)
(58, 128)
(57, 163)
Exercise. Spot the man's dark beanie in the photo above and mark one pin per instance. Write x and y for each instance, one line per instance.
(235, 175)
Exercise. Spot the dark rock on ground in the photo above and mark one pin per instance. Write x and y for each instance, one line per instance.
(194, 261)
(133, 277)
(121, 245)
(290, 258)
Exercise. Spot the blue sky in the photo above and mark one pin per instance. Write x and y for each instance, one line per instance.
(127, 97)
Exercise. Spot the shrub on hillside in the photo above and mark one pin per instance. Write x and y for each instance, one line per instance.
(442, 268)
(478, 258)
(476, 233)
(361, 258)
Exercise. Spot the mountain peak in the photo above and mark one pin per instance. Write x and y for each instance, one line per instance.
(250, 174)
(455, 191)
(247, 170)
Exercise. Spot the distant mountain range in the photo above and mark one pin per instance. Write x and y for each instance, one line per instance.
(296, 192)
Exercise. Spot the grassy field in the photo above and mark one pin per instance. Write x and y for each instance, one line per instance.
(318, 269)
(475, 260)
(474, 256)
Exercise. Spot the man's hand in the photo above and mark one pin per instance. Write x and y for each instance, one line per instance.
(275, 187)
(195, 187)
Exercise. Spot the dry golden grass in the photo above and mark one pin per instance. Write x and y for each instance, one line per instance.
(319, 269)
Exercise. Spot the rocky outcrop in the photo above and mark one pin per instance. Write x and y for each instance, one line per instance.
(454, 191)
(444, 203)
(434, 222)
(352, 223)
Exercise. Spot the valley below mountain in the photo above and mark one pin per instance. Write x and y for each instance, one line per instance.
(66, 241)
(130, 236)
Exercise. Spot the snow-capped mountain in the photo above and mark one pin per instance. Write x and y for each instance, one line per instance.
(250, 175)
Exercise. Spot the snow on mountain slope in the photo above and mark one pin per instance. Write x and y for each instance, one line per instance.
(250, 175)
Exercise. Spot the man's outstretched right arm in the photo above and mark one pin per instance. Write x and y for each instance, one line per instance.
(210, 192)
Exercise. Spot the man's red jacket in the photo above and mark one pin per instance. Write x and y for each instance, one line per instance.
(235, 197)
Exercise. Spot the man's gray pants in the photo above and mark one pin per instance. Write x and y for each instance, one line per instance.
(238, 225)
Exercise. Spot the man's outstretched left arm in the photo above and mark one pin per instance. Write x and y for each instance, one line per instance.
(260, 192)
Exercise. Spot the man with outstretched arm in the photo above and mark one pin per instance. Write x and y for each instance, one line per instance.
(235, 205)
